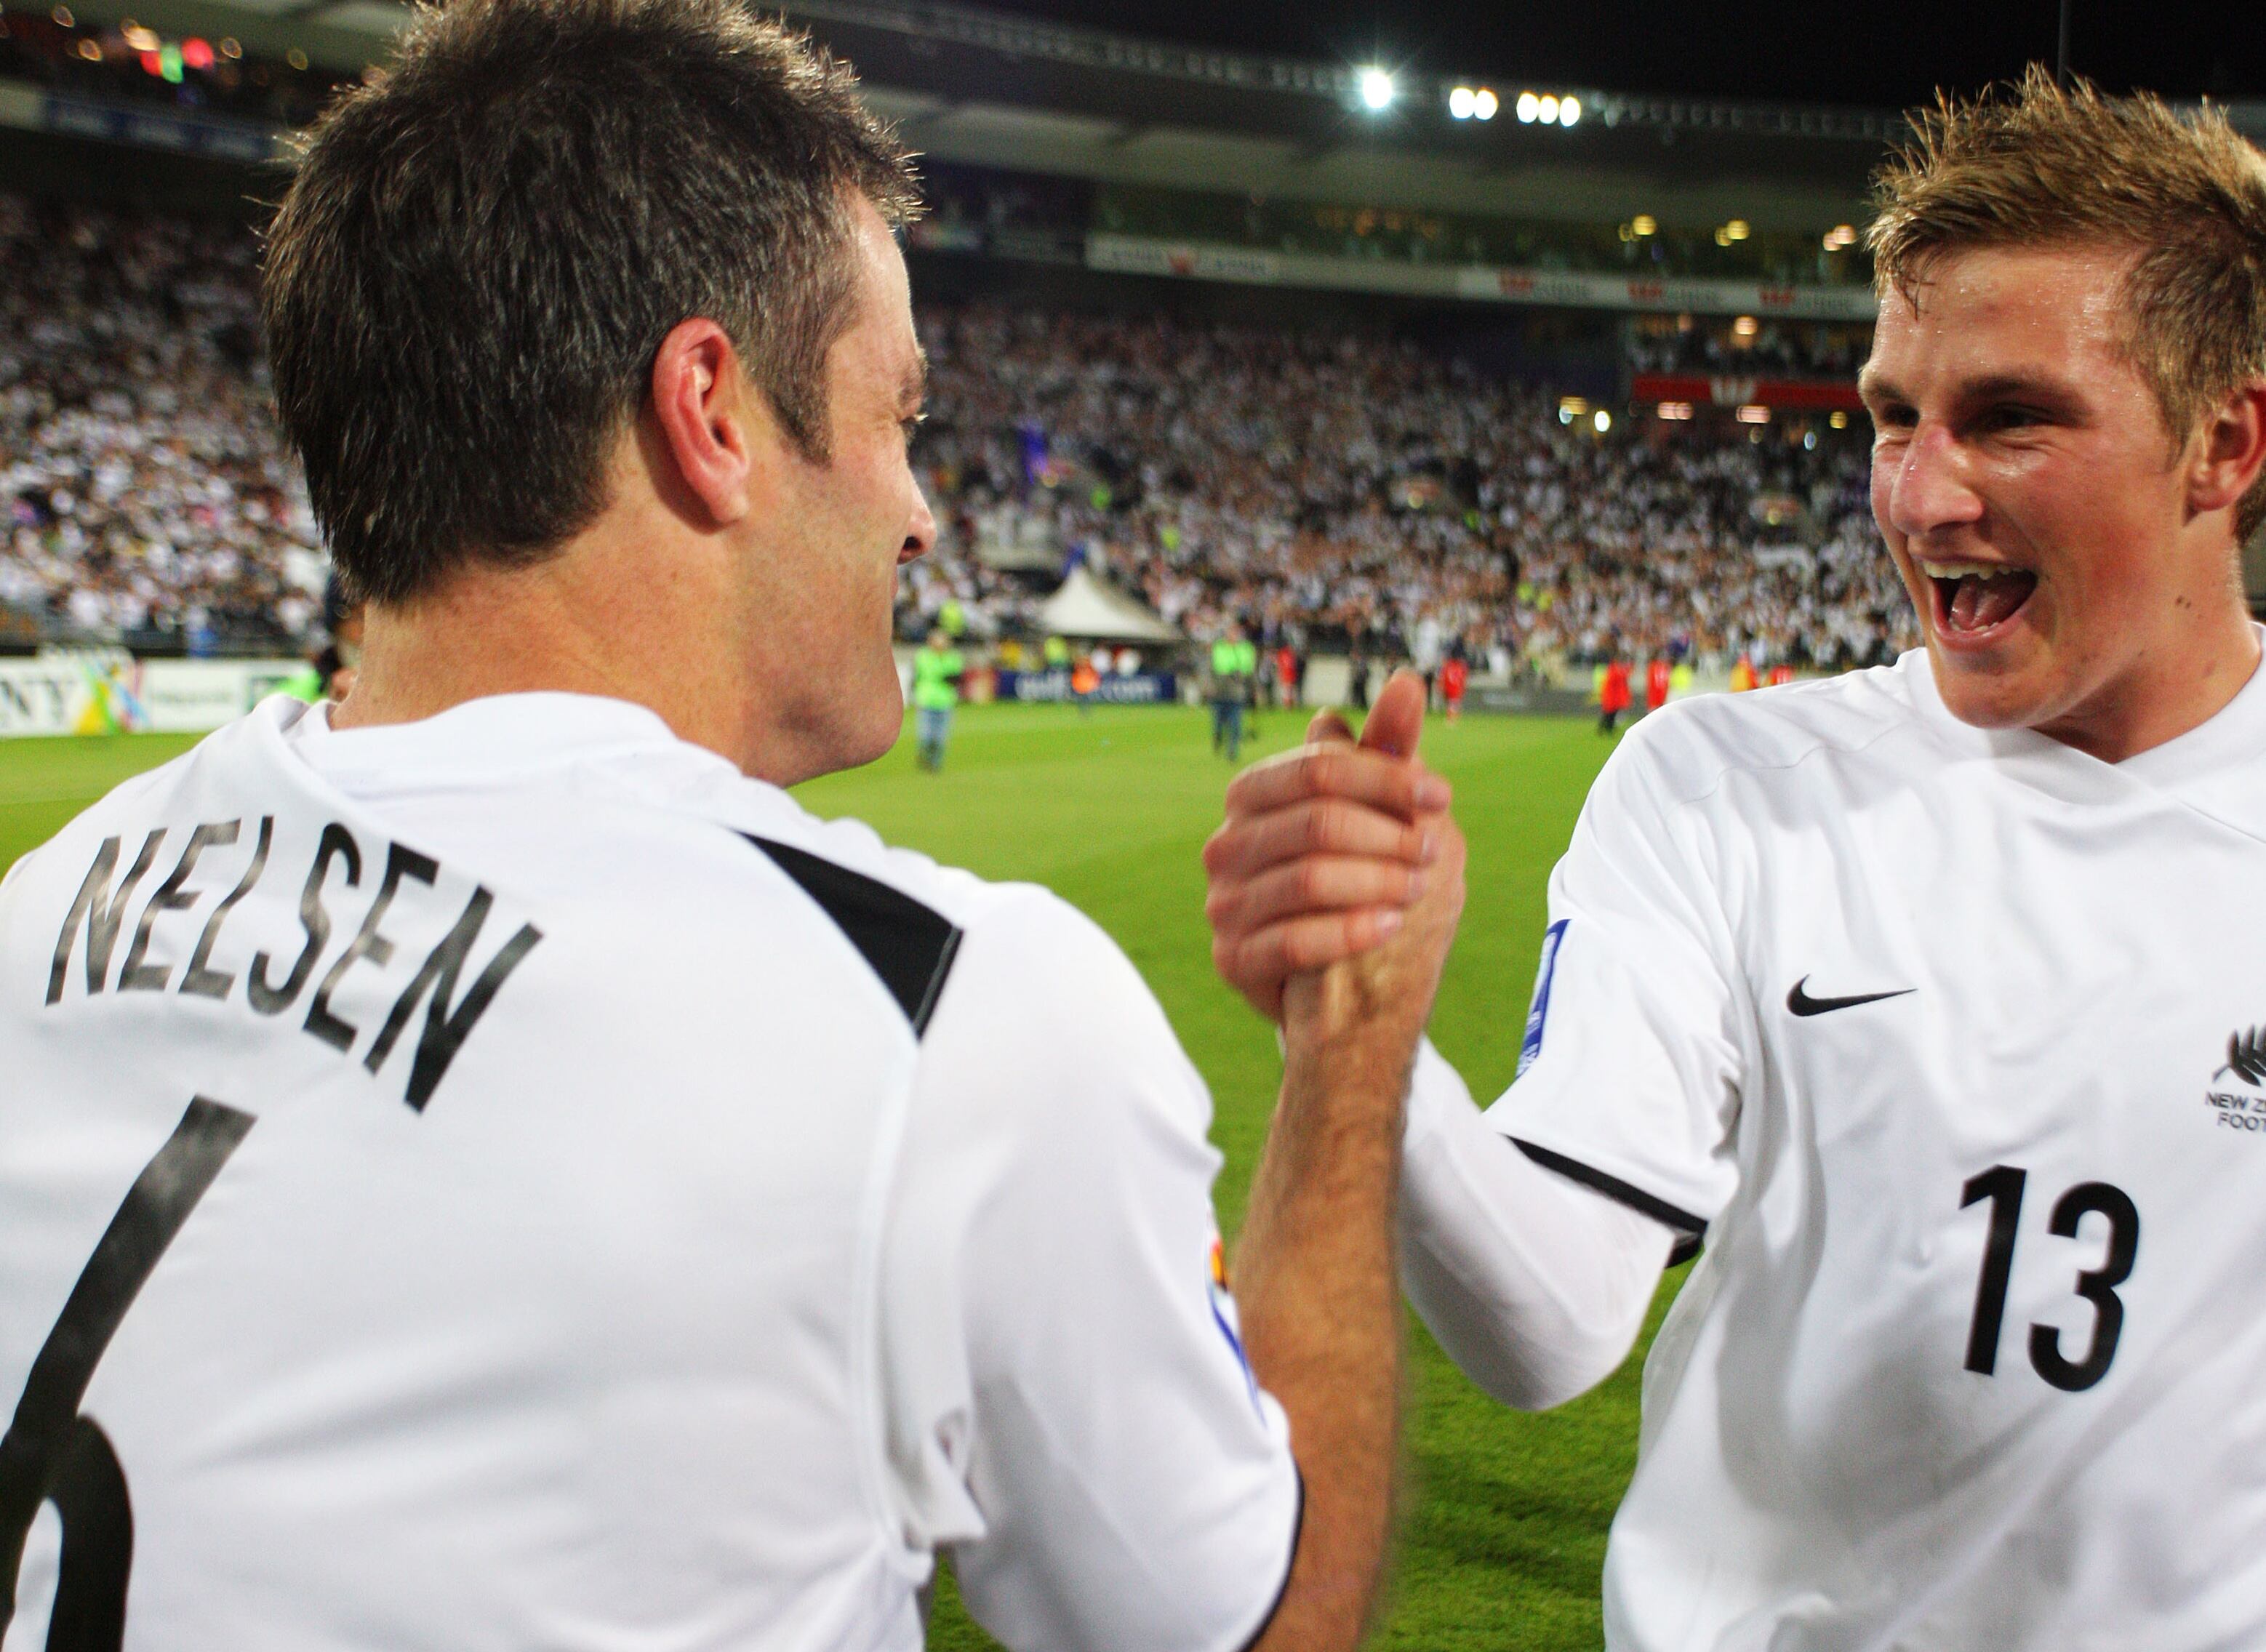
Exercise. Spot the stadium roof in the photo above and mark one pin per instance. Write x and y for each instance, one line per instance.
(991, 88)
(1887, 54)
(1021, 89)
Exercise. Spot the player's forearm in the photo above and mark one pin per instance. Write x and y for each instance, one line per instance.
(1319, 1295)
(1536, 1287)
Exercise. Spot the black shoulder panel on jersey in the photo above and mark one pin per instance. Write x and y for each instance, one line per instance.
(1690, 1230)
(910, 946)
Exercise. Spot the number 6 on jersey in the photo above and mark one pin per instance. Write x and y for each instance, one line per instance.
(53, 1454)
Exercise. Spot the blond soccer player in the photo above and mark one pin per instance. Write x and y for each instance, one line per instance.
(1927, 1000)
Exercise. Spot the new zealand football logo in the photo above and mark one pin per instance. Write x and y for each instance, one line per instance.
(2245, 1058)
(2244, 1108)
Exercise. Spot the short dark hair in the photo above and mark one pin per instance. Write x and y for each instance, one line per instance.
(2036, 163)
(486, 245)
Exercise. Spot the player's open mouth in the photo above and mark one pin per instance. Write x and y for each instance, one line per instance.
(1972, 598)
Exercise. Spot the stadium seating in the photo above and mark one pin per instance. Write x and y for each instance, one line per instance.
(150, 498)
(1329, 489)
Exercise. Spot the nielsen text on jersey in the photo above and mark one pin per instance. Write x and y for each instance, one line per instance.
(272, 990)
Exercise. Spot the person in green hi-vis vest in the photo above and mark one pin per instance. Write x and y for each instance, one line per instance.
(937, 670)
(1234, 663)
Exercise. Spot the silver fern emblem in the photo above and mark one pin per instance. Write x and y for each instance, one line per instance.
(2245, 1056)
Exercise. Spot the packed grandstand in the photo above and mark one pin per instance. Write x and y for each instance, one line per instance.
(1327, 488)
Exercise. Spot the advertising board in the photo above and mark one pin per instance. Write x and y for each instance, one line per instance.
(108, 692)
(1144, 688)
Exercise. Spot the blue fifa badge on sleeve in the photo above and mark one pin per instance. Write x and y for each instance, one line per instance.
(1537, 1011)
(1224, 1316)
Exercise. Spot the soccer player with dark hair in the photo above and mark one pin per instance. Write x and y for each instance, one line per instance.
(1927, 999)
(483, 1167)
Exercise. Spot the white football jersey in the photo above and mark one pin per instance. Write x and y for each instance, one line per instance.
(509, 1182)
(1952, 1045)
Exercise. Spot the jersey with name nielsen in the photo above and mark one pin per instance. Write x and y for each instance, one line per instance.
(1951, 1047)
(509, 1181)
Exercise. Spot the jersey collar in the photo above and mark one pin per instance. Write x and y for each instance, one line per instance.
(2224, 752)
(485, 739)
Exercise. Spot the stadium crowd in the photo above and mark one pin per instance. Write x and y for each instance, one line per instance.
(1323, 490)
(149, 496)
(1338, 490)
(1749, 347)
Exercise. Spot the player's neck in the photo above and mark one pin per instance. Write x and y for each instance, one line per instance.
(611, 614)
(2174, 691)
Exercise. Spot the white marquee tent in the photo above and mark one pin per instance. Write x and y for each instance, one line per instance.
(1085, 607)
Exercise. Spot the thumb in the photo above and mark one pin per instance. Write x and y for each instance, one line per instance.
(1397, 719)
(1329, 729)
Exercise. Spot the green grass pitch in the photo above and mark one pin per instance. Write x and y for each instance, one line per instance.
(1504, 1515)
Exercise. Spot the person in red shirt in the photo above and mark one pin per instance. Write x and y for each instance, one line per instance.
(1612, 696)
(1454, 675)
(1656, 682)
(1286, 674)
(1781, 676)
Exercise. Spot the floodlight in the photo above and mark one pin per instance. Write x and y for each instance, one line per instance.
(1570, 110)
(1645, 223)
(1604, 421)
(1461, 103)
(1548, 108)
(1529, 105)
(1484, 104)
(1376, 89)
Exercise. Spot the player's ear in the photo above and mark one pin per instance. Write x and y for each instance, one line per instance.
(2232, 453)
(707, 422)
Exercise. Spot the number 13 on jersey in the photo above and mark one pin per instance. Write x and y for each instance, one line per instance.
(2002, 1185)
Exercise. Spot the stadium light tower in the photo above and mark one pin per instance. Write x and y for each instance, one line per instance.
(1377, 88)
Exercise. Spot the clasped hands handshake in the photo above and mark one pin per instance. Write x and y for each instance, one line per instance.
(1337, 878)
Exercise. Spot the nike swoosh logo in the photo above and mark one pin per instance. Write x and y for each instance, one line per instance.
(1801, 1004)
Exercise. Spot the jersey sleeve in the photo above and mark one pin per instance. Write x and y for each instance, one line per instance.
(1632, 1066)
(1087, 1440)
